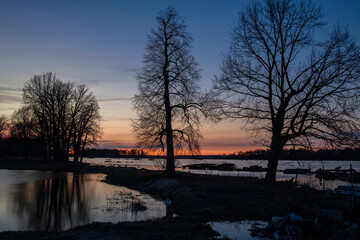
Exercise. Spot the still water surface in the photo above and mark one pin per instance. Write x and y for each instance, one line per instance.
(37, 200)
(157, 164)
(238, 230)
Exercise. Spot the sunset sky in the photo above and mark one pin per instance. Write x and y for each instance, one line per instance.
(101, 44)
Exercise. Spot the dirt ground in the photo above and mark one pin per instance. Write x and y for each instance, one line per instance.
(196, 199)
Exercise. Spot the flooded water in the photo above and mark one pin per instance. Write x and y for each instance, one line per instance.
(237, 230)
(37, 200)
(158, 164)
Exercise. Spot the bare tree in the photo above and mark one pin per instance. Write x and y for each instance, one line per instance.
(285, 84)
(65, 114)
(23, 127)
(3, 125)
(85, 119)
(23, 124)
(49, 99)
(168, 104)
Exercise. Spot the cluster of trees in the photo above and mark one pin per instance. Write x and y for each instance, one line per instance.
(58, 115)
(285, 85)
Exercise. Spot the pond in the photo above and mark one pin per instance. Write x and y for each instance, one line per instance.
(48, 201)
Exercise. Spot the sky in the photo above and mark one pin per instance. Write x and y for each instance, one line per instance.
(101, 44)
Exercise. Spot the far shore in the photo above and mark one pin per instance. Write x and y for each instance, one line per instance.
(347, 154)
(196, 200)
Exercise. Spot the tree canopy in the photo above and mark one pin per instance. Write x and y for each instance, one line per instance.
(290, 87)
(169, 102)
(67, 116)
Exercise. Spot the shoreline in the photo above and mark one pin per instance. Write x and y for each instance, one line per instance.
(196, 199)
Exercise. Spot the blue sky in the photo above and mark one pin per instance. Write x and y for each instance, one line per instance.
(101, 44)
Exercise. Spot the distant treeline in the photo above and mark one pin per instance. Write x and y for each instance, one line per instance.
(298, 154)
(113, 153)
(21, 147)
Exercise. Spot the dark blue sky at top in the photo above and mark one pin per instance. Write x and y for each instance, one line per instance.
(101, 44)
(111, 35)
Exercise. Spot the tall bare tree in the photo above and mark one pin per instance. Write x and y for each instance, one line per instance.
(168, 104)
(285, 84)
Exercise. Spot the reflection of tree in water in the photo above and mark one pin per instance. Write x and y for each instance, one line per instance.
(55, 204)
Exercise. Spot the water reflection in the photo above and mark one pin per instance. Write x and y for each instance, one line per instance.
(54, 204)
(60, 201)
(238, 230)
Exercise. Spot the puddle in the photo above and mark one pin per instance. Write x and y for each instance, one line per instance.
(237, 230)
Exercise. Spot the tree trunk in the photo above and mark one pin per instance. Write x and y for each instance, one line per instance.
(275, 151)
(76, 152)
(83, 148)
(76, 156)
(44, 146)
(170, 160)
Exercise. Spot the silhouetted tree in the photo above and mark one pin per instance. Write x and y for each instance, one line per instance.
(23, 128)
(23, 124)
(49, 99)
(85, 120)
(3, 125)
(168, 104)
(66, 114)
(284, 83)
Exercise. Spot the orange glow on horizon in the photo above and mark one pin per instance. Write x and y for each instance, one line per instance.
(205, 151)
(226, 137)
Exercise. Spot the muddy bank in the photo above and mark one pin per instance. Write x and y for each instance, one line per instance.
(195, 200)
